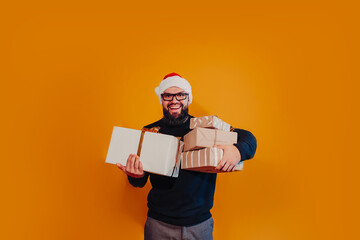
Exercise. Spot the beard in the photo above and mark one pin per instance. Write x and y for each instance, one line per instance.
(175, 120)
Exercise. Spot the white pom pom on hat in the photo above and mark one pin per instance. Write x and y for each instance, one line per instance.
(173, 80)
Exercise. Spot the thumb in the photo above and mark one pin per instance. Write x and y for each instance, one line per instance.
(121, 166)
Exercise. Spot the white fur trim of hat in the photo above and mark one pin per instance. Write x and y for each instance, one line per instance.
(173, 80)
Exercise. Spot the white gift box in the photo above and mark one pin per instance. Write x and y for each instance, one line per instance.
(204, 160)
(159, 153)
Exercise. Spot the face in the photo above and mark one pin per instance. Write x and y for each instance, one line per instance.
(175, 107)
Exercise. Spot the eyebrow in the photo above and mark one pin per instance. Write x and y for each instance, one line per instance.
(174, 93)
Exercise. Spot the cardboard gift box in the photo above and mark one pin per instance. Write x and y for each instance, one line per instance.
(204, 160)
(209, 122)
(206, 137)
(159, 153)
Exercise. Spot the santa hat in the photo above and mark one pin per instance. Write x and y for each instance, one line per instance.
(174, 80)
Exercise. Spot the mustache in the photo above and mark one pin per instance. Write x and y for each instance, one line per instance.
(175, 104)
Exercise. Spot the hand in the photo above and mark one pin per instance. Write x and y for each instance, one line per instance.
(230, 158)
(133, 167)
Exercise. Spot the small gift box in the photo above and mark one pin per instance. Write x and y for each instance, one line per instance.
(204, 160)
(209, 122)
(206, 137)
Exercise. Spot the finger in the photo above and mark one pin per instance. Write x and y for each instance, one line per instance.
(138, 170)
(233, 168)
(141, 167)
(136, 163)
(139, 173)
(219, 146)
(128, 161)
(230, 167)
(225, 167)
(138, 166)
(131, 168)
(220, 164)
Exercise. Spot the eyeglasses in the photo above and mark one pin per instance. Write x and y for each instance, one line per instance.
(169, 97)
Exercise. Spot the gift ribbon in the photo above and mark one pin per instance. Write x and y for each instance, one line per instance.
(141, 141)
(154, 130)
(177, 156)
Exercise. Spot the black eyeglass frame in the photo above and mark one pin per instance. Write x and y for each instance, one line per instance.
(174, 95)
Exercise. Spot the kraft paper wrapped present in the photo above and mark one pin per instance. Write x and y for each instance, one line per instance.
(209, 122)
(204, 160)
(206, 137)
(159, 153)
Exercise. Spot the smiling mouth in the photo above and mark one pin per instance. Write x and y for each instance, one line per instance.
(174, 107)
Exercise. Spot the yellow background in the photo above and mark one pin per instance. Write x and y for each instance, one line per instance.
(287, 72)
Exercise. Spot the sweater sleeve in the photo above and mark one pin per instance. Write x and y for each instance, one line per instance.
(139, 182)
(246, 144)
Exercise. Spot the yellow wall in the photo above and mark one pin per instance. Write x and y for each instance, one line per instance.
(285, 71)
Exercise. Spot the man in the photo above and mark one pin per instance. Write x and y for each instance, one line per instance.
(179, 208)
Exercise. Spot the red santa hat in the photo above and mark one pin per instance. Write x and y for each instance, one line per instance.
(174, 80)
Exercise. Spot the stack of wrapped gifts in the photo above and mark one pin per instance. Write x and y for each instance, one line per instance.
(200, 153)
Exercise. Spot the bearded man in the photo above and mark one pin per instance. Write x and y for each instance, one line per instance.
(179, 208)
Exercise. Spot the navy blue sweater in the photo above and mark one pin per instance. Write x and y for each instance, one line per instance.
(186, 200)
